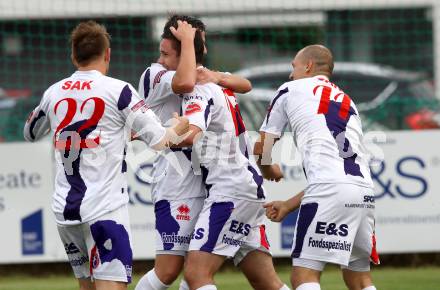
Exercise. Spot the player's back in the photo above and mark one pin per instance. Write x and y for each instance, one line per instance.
(172, 172)
(155, 87)
(89, 139)
(224, 146)
(327, 130)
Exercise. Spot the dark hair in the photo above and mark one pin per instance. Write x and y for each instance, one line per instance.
(199, 44)
(89, 41)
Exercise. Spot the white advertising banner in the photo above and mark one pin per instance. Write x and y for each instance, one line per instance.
(407, 187)
(407, 192)
(28, 230)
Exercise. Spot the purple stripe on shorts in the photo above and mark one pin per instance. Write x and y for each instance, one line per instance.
(220, 213)
(306, 214)
(166, 225)
(113, 243)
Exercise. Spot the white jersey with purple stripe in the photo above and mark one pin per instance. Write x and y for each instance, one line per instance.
(172, 171)
(223, 149)
(87, 115)
(327, 130)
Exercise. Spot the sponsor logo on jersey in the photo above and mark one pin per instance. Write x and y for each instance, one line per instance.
(192, 108)
(158, 77)
(71, 248)
(140, 105)
(183, 214)
(188, 98)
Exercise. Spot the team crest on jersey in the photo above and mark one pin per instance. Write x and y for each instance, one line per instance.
(183, 214)
(158, 77)
(192, 108)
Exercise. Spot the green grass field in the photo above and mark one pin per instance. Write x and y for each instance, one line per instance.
(385, 279)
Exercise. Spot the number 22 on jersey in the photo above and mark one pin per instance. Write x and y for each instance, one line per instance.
(76, 133)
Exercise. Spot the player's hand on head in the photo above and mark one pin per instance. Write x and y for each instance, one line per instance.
(184, 31)
(276, 210)
(205, 76)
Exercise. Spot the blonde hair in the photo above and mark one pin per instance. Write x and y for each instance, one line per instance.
(89, 41)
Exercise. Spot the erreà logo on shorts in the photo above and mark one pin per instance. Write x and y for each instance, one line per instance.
(183, 214)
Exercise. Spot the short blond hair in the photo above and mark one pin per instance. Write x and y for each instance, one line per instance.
(89, 41)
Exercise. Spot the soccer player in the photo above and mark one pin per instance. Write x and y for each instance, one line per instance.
(90, 116)
(177, 193)
(231, 222)
(336, 215)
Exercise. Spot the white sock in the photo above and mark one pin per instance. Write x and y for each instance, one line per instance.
(309, 286)
(150, 281)
(285, 287)
(183, 285)
(207, 287)
(370, 288)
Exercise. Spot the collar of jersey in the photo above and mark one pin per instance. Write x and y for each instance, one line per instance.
(321, 76)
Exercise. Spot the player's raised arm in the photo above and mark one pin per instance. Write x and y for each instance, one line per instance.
(184, 79)
(235, 83)
(37, 124)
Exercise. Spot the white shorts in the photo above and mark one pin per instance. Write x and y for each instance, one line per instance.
(230, 227)
(105, 241)
(335, 225)
(175, 221)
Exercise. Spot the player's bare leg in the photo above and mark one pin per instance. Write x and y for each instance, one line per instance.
(358, 280)
(305, 278)
(264, 276)
(110, 285)
(86, 284)
(168, 267)
(200, 268)
(166, 270)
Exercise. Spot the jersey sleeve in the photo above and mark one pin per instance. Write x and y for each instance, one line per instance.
(155, 85)
(37, 124)
(198, 110)
(276, 118)
(139, 118)
(144, 84)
